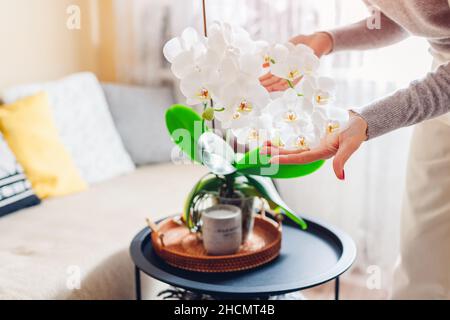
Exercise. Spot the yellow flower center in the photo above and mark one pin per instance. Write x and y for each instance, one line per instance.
(332, 126)
(204, 94)
(245, 107)
(293, 74)
(320, 99)
(253, 135)
(301, 143)
(290, 116)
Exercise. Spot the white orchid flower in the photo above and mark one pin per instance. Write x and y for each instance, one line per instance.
(200, 86)
(298, 138)
(300, 61)
(310, 63)
(289, 69)
(242, 101)
(251, 65)
(273, 54)
(224, 38)
(190, 61)
(186, 52)
(290, 110)
(319, 90)
(329, 119)
(225, 69)
(202, 79)
(190, 39)
(256, 133)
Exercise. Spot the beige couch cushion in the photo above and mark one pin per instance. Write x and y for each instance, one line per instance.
(42, 247)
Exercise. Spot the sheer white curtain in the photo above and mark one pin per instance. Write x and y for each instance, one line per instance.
(367, 204)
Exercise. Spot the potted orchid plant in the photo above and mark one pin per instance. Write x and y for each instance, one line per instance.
(220, 74)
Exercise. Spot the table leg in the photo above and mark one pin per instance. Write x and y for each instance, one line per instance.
(336, 289)
(137, 283)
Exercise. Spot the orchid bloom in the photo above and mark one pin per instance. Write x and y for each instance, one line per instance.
(274, 54)
(300, 138)
(199, 86)
(242, 101)
(329, 119)
(320, 90)
(223, 70)
(184, 52)
(255, 134)
(299, 62)
(226, 39)
(290, 109)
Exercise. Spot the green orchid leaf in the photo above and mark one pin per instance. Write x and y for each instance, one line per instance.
(207, 183)
(254, 163)
(251, 191)
(185, 127)
(266, 187)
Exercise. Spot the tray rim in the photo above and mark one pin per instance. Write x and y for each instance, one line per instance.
(230, 256)
(345, 261)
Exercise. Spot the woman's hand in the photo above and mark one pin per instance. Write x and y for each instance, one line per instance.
(320, 42)
(341, 145)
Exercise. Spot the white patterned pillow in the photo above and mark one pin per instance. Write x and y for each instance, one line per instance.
(15, 189)
(85, 124)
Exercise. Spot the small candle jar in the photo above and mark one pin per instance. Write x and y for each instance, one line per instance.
(222, 229)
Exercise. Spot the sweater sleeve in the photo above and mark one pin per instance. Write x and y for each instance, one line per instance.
(358, 36)
(423, 99)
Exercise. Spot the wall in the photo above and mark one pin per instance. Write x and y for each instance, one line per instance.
(36, 45)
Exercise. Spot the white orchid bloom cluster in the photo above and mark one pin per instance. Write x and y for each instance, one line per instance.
(222, 73)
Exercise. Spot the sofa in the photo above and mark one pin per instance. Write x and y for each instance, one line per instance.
(76, 246)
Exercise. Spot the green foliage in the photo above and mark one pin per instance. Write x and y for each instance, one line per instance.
(255, 163)
(268, 191)
(185, 127)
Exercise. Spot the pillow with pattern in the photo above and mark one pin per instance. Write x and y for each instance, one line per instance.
(15, 189)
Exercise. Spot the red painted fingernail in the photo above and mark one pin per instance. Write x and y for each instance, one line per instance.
(343, 175)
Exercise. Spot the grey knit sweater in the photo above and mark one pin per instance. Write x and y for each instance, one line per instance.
(423, 99)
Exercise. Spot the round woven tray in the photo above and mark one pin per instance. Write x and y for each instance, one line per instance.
(182, 249)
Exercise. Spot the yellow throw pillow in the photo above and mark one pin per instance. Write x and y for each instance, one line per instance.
(28, 127)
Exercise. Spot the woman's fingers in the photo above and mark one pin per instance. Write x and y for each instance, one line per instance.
(273, 150)
(281, 85)
(265, 77)
(269, 81)
(302, 157)
(346, 149)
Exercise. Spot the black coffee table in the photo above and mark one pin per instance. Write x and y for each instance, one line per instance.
(307, 259)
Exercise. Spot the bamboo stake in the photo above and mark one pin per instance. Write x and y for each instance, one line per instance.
(205, 27)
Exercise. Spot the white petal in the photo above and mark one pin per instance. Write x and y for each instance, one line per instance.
(275, 107)
(280, 70)
(337, 114)
(251, 65)
(230, 95)
(310, 64)
(216, 40)
(306, 105)
(259, 95)
(306, 88)
(291, 96)
(172, 49)
(264, 122)
(304, 49)
(183, 64)
(279, 53)
(228, 69)
(189, 37)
